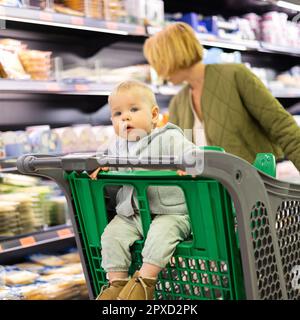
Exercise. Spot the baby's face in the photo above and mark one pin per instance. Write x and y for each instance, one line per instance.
(131, 115)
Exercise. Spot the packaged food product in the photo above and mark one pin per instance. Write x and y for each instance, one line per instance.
(71, 257)
(17, 277)
(36, 63)
(10, 66)
(74, 268)
(47, 260)
(30, 266)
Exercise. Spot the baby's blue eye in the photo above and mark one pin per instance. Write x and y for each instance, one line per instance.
(116, 114)
(134, 109)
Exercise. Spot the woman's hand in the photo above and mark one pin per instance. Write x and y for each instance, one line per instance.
(94, 174)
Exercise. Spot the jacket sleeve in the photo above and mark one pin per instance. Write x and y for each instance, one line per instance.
(173, 115)
(278, 124)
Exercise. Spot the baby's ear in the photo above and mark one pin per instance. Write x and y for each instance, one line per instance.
(155, 113)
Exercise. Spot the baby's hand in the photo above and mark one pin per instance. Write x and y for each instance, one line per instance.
(183, 173)
(94, 174)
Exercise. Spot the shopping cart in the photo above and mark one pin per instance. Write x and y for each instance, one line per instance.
(245, 240)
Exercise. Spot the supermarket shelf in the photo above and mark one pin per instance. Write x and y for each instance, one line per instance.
(97, 89)
(59, 237)
(270, 48)
(248, 45)
(48, 18)
(54, 19)
(241, 45)
(208, 40)
(53, 87)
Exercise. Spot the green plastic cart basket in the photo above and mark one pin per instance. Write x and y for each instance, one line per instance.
(245, 241)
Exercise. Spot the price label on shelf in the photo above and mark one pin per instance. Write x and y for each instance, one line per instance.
(46, 16)
(81, 87)
(77, 20)
(64, 233)
(111, 25)
(28, 241)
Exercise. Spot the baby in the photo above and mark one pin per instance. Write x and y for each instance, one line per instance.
(134, 114)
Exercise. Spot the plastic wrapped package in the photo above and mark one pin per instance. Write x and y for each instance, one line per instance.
(95, 9)
(13, 45)
(57, 210)
(155, 12)
(55, 278)
(254, 21)
(13, 148)
(24, 208)
(10, 66)
(19, 180)
(136, 10)
(71, 268)
(68, 139)
(36, 63)
(114, 10)
(43, 140)
(8, 293)
(13, 3)
(71, 257)
(36, 4)
(30, 266)
(137, 72)
(77, 5)
(86, 137)
(104, 136)
(9, 219)
(274, 28)
(18, 277)
(61, 289)
(47, 260)
(60, 8)
(40, 204)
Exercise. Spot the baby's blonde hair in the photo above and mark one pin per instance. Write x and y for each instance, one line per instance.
(174, 48)
(128, 85)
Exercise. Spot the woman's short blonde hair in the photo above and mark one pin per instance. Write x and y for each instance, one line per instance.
(174, 48)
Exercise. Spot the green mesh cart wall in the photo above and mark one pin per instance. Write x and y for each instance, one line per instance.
(249, 251)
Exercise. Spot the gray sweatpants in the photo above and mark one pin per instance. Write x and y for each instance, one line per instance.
(165, 232)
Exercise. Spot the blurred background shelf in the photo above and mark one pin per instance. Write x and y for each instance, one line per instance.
(100, 89)
(53, 19)
(48, 240)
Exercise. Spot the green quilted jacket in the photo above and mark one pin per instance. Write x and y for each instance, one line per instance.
(240, 115)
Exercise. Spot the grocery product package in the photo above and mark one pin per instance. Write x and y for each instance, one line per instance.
(36, 63)
(10, 66)
(43, 140)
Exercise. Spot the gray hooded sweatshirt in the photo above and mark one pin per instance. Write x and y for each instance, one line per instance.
(166, 141)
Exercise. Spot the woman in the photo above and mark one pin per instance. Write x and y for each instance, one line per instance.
(224, 104)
